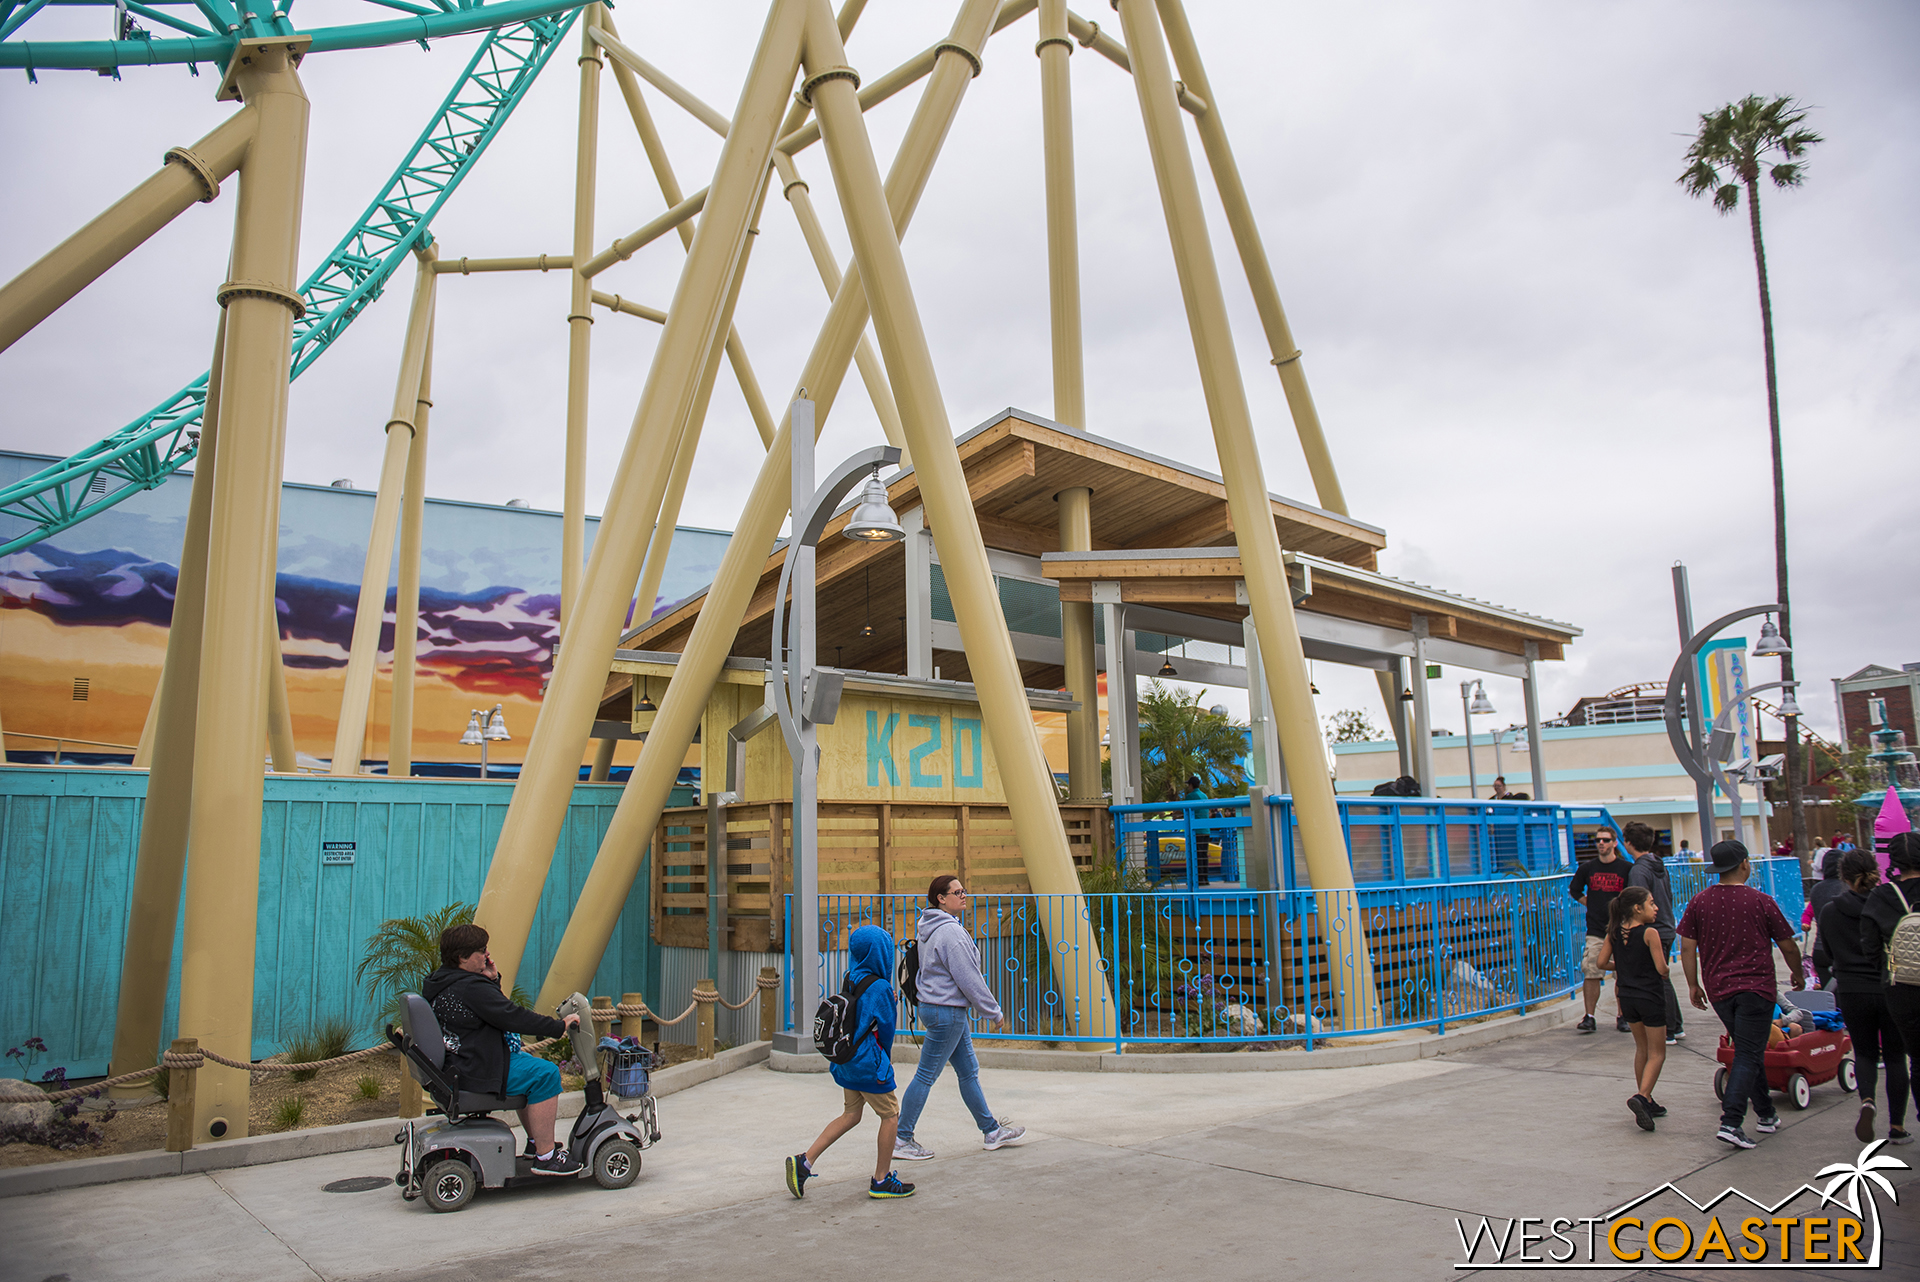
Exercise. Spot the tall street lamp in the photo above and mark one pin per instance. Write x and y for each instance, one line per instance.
(1473, 703)
(1683, 703)
(805, 696)
(484, 728)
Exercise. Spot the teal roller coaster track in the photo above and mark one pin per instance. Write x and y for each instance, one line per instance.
(523, 35)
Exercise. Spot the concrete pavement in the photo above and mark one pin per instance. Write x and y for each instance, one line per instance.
(1349, 1173)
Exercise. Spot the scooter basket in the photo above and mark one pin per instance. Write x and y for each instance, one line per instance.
(629, 1072)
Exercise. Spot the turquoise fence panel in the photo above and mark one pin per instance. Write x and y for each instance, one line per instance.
(68, 839)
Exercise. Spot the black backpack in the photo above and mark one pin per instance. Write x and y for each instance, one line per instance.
(910, 973)
(836, 1033)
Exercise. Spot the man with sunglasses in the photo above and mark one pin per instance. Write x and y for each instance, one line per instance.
(1595, 884)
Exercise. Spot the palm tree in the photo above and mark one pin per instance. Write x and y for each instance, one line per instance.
(404, 950)
(1859, 1176)
(1180, 739)
(1728, 153)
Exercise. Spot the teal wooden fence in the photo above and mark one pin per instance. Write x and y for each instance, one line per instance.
(67, 843)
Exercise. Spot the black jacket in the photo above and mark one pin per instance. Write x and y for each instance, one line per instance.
(1837, 947)
(474, 1017)
(1881, 913)
(1650, 871)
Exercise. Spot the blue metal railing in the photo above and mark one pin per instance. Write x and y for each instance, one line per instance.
(1390, 840)
(1244, 967)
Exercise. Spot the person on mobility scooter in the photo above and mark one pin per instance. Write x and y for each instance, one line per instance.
(475, 1017)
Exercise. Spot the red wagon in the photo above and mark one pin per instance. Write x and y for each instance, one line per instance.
(1798, 1064)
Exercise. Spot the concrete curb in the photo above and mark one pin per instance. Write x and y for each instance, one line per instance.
(317, 1141)
(1402, 1049)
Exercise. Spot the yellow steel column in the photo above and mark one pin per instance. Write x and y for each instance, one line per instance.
(154, 908)
(646, 793)
(662, 541)
(800, 199)
(1024, 772)
(406, 604)
(526, 844)
(1253, 257)
(363, 656)
(1083, 674)
(573, 506)
(602, 759)
(1069, 385)
(187, 174)
(670, 190)
(1272, 605)
(223, 877)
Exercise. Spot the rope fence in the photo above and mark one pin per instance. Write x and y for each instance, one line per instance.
(705, 998)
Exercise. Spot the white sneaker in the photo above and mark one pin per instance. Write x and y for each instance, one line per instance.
(1003, 1135)
(910, 1151)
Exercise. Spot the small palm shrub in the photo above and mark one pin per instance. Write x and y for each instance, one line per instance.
(323, 1039)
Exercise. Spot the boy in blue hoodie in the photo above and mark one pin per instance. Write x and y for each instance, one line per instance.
(866, 1079)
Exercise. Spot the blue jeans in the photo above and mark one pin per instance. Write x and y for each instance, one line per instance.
(1747, 1017)
(948, 1038)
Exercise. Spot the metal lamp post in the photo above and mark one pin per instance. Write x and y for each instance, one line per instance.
(1473, 703)
(1721, 741)
(484, 728)
(1689, 744)
(805, 696)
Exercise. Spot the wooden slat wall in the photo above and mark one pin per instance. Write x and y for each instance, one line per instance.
(866, 848)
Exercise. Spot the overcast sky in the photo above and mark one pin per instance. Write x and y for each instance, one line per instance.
(1538, 361)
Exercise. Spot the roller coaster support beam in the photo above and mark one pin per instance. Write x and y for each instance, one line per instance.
(872, 373)
(161, 860)
(525, 847)
(1055, 49)
(943, 486)
(223, 830)
(406, 603)
(187, 175)
(1272, 604)
(685, 701)
(573, 504)
(363, 656)
(670, 190)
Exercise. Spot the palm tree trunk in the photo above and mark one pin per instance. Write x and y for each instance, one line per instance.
(1795, 803)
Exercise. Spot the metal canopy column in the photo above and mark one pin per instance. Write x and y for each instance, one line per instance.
(1536, 753)
(1422, 713)
(918, 547)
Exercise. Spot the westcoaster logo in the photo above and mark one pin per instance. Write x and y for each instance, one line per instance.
(1675, 1228)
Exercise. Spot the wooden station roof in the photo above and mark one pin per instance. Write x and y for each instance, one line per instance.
(1014, 464)
(1207, 581)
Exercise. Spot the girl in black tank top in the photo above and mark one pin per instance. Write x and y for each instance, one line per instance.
(1633, 952)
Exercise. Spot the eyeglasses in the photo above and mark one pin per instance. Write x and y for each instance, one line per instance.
(1598, 840)
(953, 890)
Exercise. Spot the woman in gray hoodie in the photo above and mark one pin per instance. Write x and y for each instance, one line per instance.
(951, 988)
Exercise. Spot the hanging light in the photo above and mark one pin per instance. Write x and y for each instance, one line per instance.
(1167, 669)
(497, 726)
(866, 629)
(1520, 741)
(1769, 642)
(1480, 706)
(873, 521)
(473, 735)
(1788, 707)
(646, 699)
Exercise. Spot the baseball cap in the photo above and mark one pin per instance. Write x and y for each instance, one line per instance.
(1726, 855)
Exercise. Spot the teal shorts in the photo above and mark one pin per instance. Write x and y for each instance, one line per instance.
(529, 1075)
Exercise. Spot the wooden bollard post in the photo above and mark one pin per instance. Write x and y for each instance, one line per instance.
(703, 1020)
(769, 1002)
(639, 1030)
(181, 1084)
(412, 1099)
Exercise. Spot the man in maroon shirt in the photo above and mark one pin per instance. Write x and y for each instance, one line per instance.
(1728, 932)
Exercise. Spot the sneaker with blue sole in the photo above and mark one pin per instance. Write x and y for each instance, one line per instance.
(798, 1173)
(892, 1186)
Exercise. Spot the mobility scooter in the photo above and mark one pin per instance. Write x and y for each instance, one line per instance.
(450, 1156)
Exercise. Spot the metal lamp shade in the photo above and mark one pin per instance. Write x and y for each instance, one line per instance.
(472, 735)
(497, 726)
(1769, 642)
(1481, 705)
(873, 521)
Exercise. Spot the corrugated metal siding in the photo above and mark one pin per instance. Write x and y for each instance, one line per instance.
(67, 844)
(681, 968)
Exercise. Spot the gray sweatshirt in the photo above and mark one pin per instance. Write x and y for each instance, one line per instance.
(950, 965)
